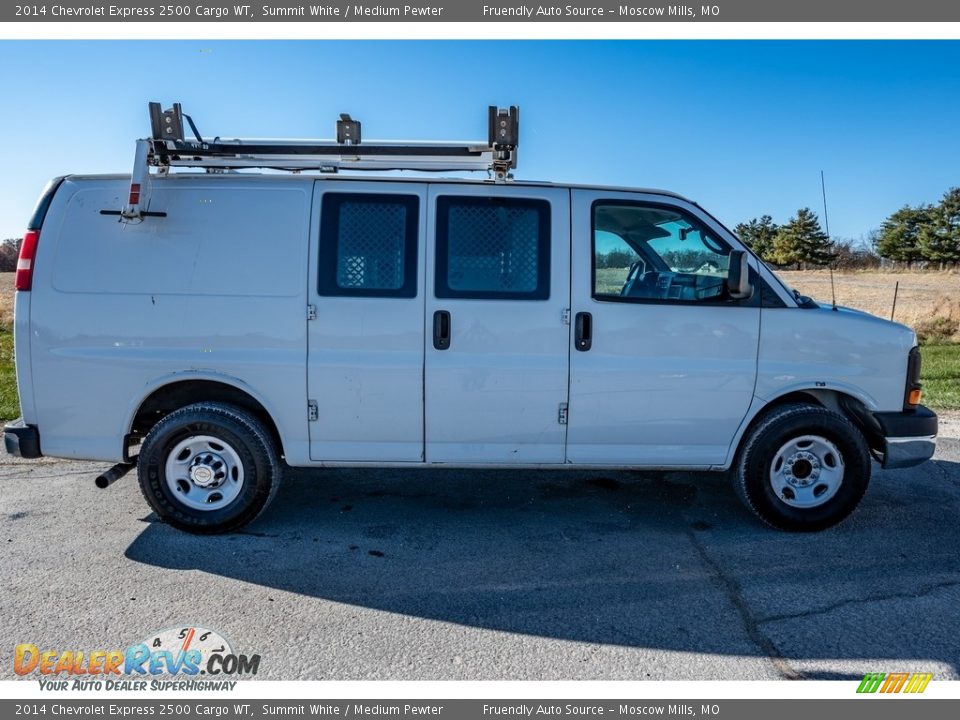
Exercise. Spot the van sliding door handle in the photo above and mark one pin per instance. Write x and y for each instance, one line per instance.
(441, 330)
(584, 331)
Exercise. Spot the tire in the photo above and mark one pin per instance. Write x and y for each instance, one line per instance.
(209, 468)
(802, 468)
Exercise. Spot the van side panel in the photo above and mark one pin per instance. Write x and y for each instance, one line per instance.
(216, 289)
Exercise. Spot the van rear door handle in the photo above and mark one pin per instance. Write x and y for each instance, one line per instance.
(441, 330)
(584, 331)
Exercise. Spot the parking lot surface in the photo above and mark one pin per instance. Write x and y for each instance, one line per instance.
(451, 574)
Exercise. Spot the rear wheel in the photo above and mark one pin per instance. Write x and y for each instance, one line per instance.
(802, 467)
(208, 468)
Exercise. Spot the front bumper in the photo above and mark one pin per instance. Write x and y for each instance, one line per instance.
(908, 438)
(21, 439)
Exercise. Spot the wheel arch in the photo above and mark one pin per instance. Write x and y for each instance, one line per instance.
(855, 409)
(174, 392)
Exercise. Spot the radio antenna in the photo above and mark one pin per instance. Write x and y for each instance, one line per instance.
(826, 224)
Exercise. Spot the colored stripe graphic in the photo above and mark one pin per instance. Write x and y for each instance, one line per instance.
(871, 682)
(895, 682)
(918, 682)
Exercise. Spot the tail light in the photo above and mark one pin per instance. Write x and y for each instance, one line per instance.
(28, 251)
(913, 393)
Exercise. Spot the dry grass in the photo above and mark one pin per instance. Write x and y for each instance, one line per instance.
(6, 299)
(925, 300)
(923, 297)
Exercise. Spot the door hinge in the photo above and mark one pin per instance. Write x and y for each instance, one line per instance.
(566, 316)
(313, 412)
(311, 312)
(563, 414)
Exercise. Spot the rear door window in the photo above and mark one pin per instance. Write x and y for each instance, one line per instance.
(368, 245)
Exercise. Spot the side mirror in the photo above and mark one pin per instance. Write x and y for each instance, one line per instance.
(738, 276)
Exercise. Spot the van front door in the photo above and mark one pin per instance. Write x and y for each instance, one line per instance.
(667, 372)
(497, 345)
(365, 341)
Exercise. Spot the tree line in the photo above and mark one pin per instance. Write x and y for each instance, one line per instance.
(9, 251)
(926, 235)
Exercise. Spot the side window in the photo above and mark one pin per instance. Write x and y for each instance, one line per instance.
(368, 245)
(493, 248)
(655, 253)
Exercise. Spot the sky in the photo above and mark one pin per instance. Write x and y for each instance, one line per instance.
(742, 127)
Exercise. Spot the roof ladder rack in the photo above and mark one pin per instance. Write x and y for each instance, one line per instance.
(169, 147)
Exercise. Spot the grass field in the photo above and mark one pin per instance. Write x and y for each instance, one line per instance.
(922, 297)
(9, 404)
(940, 374)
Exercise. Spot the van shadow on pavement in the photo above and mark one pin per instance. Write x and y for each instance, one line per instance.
(637, 559)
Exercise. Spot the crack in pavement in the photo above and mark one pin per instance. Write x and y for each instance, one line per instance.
(750, 625)
(947, 475)
(923, 590)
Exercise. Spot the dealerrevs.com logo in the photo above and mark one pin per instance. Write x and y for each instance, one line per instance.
(185, 652)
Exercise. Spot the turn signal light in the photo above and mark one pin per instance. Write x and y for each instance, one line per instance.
(914, 397)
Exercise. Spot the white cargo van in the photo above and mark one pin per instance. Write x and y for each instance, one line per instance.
(211, 327)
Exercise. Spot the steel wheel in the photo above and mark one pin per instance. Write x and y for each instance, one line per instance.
(204, 472)
(806, 471)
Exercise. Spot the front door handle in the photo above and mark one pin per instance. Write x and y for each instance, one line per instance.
(441, 330)
(584, 331)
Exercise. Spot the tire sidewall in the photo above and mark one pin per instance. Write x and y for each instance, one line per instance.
(257, 473)
(757, 461)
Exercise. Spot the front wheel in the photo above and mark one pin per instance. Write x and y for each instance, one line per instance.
(208, 468)
(802, 467)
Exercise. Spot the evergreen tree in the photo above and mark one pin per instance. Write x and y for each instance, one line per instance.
(784, 250)
(899, 237)
(758, 235)
(802, 241)
(940, 239)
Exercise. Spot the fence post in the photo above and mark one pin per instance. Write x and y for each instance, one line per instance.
(893, 309)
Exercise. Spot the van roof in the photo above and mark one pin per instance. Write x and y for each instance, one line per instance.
(288, 177)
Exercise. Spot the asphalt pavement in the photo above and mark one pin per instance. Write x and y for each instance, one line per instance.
(451, 574)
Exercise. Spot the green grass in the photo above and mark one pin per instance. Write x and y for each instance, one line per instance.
(9, 402)
(940, 375)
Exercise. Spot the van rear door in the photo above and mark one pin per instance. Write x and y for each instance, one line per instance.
(365, 344)
(497, 345)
